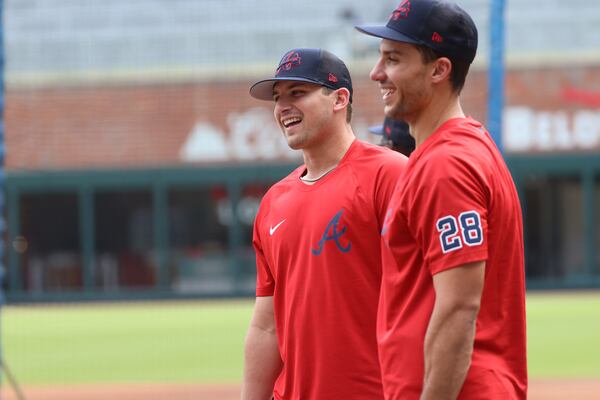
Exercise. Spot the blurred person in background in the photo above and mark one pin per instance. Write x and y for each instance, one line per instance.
(317, 243)
(395, 135)
(451, 320)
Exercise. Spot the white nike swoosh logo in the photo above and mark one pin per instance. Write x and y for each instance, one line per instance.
(274, 228)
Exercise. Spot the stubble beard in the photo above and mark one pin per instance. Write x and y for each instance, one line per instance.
(309, 136)
(395, 112)
(297, 141)
(407, 104)
(398, 111)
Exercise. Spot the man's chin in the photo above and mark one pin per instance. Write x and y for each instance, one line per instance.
(294, 145)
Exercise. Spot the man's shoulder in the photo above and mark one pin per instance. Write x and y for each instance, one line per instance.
(444, 161)
(465, 136)
(368, 154)
(274, 193)
(463, 141)
(455, 160)
(374, 165)
(284, 184)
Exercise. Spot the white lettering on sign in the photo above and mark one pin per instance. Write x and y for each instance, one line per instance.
(527, 130)
(253, 135)
(205, 143)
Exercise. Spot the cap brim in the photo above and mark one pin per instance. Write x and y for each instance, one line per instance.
(263, 90)
(377, 129)
(382, 31)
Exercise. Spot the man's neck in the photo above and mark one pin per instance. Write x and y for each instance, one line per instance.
(439, 111)
(327, 154)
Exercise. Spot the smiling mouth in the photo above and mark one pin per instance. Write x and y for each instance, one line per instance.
(387, 93)
(289, 122)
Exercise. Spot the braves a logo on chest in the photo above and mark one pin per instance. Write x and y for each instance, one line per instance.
(332, 233)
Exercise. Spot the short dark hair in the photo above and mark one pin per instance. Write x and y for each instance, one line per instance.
(460, 68)
(327, 90)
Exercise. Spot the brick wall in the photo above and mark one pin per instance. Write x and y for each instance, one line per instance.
(148, 125)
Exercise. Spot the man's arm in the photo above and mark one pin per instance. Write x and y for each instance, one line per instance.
(451, 331)
(262, 361)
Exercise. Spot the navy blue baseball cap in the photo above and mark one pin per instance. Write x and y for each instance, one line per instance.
(306, 65)
(440, 25)
(397, 131)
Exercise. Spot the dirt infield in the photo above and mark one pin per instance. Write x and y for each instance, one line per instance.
(578, 389)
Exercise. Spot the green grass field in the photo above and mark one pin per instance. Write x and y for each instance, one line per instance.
(127, 342)
(202, 341)
(564, 335)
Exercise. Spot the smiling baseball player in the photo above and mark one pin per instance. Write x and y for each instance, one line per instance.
(317, 242)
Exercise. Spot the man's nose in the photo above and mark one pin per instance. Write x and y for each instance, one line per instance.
(377, 73)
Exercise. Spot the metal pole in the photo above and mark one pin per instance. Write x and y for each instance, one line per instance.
(2, 189)
(496, 71)
(4, 370)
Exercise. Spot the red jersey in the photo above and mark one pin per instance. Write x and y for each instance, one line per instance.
(318, 252)
(455, 204)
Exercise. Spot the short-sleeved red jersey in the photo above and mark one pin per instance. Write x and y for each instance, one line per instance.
(318, 252)
(455, 204)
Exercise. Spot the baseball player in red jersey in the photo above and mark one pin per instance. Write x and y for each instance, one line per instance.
(451, 322)
(317, 243)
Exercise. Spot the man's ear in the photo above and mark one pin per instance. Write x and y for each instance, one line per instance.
(342, 98)
(442, 67)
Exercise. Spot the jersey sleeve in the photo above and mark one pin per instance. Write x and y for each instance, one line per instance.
(265, 282)
(449, 212)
